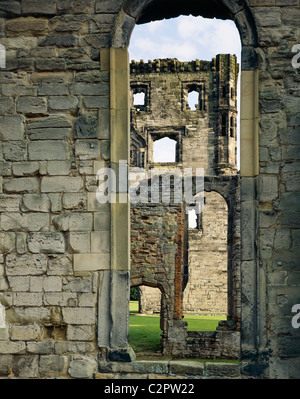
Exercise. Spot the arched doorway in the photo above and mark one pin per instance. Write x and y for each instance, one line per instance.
(134, 12)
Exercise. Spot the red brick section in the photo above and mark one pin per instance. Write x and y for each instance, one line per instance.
(179, 240)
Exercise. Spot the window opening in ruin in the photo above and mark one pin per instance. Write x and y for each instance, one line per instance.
(224, 93)
(224, 125)
(205, 296)
(193, 100)
(139, 99)
(145, 330)
(193, 219)
(164, 150)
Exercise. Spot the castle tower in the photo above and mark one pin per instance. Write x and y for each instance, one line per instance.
(205, 132)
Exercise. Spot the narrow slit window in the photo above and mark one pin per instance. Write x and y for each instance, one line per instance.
(192, 219)
(224, 125)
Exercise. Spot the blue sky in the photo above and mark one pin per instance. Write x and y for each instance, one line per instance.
(185, 38)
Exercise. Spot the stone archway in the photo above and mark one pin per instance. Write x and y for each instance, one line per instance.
(141, 11)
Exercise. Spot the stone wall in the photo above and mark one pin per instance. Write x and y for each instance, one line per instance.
(53, 69)
(206, 291)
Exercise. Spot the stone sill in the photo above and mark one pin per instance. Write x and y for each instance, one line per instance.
(168, 369)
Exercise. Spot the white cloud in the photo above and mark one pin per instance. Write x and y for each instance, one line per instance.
(185, 38)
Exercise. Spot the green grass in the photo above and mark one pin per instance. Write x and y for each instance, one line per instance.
(145, 332)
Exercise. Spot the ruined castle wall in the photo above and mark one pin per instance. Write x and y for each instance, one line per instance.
(53, 67)
(206, 291)
(52, 141)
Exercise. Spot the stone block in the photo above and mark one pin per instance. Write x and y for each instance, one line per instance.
(186, 368)
(78, 284)
(6, 362)
(63, 103)
(9, 203)
(52, 366)
(106, 6)
(91, 262)
(96, 102)
(86, 127)
(35, 203)
(60, 265)
(7, 347)
(44, 7)
(87, 149)
(21, 185)
(79, 243)
(74, 201)
(24, 222)
(121, 355)
(73, 221)
(32, 105)
(59, 298)
(42, 348)
(7, 242)
(46, 243)
(225, 370)
(28, 299)
(79, 315)
(100, 241)
(94, 206)
(61, 184)
(15, 151)
(268, 188)
(48, 150)
(52, 89)
(7, 106)
(12, 127)
(58, 168)
(45, 284)
(18, 284)
(32, 26)
(26, 366)
(21, 169)
(50, 64)
(90, 89)
(82, 367)
(105, 149)
(25, 265)
(10, 8)
(80, 333)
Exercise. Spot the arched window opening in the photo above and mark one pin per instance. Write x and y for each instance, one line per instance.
(164, 150)
(193, 100)
(204, 293)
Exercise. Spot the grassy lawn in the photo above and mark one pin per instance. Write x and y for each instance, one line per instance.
(145, 332)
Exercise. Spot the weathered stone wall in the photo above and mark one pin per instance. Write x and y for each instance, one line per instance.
(201, 139)
(206, 291)
(61, 39)
(53, 95)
